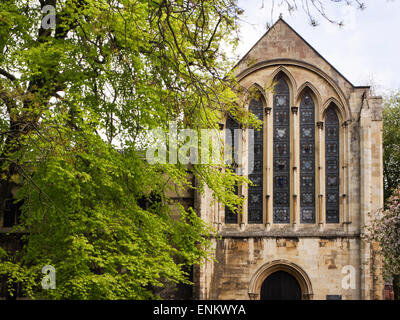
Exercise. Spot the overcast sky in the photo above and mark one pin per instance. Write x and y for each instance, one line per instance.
(366, 50)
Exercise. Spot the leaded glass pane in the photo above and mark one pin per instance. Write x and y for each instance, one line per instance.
(331, 165)
(231, 217)
(281, 215)
(281, 117)
(281, 114)
(281, 149)
(281, 165)
(307, 160)
(255, 192)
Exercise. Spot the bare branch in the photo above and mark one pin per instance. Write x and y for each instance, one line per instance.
(8, 75)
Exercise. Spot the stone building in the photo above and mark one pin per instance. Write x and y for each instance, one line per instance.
(317, 173)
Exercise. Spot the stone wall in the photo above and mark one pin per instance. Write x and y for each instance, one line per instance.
(321, 259)
(320, 255)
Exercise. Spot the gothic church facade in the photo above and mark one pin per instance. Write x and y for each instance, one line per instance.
(317, 176)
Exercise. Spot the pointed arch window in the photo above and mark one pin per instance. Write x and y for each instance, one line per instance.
(230, 126)
(255, 192)
(275, 196)
(307, 159)
(281, 152)
(332, 165)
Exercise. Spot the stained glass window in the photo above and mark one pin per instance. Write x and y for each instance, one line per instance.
(255, 192)
(231, 125)
(332, 165)
(281, 155)
(307, 160)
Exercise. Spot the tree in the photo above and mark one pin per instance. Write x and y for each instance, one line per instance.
(77, 100)
(385, 229)
(391, 143)
(314, 9)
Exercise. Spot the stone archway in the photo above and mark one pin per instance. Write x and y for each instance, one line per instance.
(280, 285)
(280, 265)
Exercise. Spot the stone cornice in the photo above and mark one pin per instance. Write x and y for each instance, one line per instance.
(288, 234)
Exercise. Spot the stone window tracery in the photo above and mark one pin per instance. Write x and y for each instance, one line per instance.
(281, 153)
(255, 192)
(297, 186)
(332, 165)
(307, 159)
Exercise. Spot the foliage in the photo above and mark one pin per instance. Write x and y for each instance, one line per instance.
(92, 229)
(391, 143)
(76, 103)
(385, 230)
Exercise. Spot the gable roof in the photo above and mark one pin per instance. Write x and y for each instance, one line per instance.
(283, 23)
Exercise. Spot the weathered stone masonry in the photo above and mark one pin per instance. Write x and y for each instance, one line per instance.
(315, 253)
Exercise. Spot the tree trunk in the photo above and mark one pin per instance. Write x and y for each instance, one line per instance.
(396, 286)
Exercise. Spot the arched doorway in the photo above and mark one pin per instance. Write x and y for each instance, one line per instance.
(280, 285)
(280, 279)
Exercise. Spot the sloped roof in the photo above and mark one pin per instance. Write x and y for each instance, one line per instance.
(277, 42)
